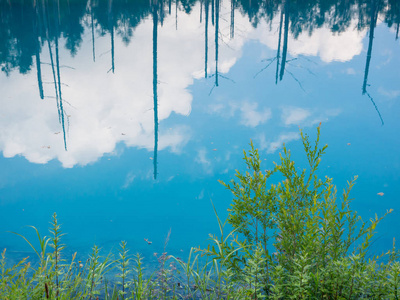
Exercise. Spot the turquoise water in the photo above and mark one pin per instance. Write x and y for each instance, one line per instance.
(123, 117)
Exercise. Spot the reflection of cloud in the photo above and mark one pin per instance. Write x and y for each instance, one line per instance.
(128, 180)
(251, 116)
(263, 144)
(118, 108)
(389, 93)
(283, 138)
(300, 116)
(323, 116)
(294, 115)
(228, 155)
(203, 160)
(201, 195)
(107, 108)
(226, 110)
(322, 42)
(388, 53)
(175, 138)
(351, 71)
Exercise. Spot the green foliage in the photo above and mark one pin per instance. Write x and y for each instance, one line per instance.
(123, 267)
(141, 288)
(290, 240)
(320, 245)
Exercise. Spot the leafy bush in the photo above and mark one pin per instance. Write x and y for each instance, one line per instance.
(308, 243)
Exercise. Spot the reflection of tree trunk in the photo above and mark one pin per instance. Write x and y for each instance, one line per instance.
(370, 43)
(92, 19)
(62, 120)
(201, 11)
(169, 6)
(232, 19)
(46, 25)
(38, 63)
(397, 31)
(206, 38)
(161, 11)
(58, 11)
(278, 54)
(110, 20)
(212, 12)
(216, 39)
(285, 39)
(176, 14)
(57, 88)
(155, 24)
(374, 17)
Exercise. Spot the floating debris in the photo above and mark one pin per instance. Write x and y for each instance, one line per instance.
(148, 242)
(56, 132)
(348, 144)
(214, 149)
(380, 194)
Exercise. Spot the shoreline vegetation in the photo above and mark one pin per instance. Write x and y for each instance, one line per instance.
(291, 240)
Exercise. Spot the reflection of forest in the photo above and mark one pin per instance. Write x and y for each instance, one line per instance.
(23, 26)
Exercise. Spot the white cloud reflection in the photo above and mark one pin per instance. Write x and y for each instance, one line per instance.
(128, 180)
(391, 94)
(294, 115)
(106, 109)
(252, 116)
(204, 160)
(273, 146)
(322, 42)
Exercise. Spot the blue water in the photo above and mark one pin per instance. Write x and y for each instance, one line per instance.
(112, 183)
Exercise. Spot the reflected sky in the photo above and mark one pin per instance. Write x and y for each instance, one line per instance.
(125, 127)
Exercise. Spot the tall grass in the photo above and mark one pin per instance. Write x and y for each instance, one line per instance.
(291, 240)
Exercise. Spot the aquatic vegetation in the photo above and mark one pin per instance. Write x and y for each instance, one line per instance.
(290, 240)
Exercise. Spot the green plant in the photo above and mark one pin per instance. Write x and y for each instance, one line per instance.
(311, 232)
(123, 267)
(142, 288)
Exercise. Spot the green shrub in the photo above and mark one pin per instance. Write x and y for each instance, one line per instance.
(312, 244)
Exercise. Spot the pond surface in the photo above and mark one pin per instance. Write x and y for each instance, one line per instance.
(122, 116)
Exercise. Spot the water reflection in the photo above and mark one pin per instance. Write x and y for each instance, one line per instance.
(373, 17)
(55, 67)
(155, 83)
(19, 38)
(295, 28)
(206, 9)
(131, 83)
